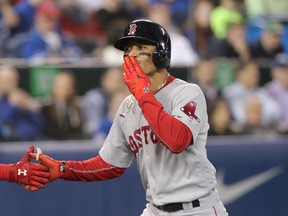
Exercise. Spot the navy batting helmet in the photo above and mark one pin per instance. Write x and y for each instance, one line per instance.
(149, 31)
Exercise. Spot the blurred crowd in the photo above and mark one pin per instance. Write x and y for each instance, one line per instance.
(63, 114)
(57, 31)
(224, 43)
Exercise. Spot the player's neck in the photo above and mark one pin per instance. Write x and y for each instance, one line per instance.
(158, 80)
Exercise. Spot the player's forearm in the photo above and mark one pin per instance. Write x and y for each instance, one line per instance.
(175, 135)
(4, 171)
(94, 169)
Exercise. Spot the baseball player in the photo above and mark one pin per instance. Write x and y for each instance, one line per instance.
(33, 175)
(163, 125)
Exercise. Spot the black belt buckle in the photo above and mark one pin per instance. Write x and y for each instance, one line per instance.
(173, 207)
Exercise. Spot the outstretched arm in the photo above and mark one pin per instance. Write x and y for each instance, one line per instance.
(94, 169)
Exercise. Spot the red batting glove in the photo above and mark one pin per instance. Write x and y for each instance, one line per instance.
(25, 172)
(137, 81)
(56, 168)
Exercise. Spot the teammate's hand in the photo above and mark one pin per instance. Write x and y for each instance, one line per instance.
(26, 172)
(56, 168)
(137, 81)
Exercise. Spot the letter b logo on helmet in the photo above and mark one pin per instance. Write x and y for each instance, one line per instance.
(132, 29)
(149, 31)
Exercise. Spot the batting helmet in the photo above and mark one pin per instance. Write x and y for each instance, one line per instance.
(147, 30)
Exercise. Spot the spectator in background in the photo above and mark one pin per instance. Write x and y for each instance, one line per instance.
(91, 6)
(254, 123)
(46, 44)
(79, 26)
(21, 25)
(234, 44)
(106, 122)
(62, 115)
(19, 116)
(113, 18)
(278, 88)
(95, 101)
(5, 10)
(8, 19)
(111, 13)
(138, 8)
(269, 43)
(25, 11)
(8, 14)
(198, 28)
(245, 86)
(260, 11)
(220, 119)
(262, 8)
(160, 13)
(179, 11)
(223, 15)
(204, 75)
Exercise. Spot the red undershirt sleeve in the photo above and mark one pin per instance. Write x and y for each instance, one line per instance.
(94, 169)
(172, 132)
(4, 171)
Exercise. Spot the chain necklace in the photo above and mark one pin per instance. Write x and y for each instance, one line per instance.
(161, 85)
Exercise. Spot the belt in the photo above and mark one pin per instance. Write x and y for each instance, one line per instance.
(173, 207)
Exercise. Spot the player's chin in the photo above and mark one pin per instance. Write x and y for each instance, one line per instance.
(149, 73)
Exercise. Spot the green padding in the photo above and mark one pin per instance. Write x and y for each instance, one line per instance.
(41, 79)
(225, 74)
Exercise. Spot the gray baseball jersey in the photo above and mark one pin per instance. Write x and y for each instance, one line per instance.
(167, 177)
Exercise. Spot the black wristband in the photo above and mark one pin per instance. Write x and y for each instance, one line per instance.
(62, 168)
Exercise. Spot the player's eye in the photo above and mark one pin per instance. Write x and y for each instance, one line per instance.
(141, 47)
(127, 50)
